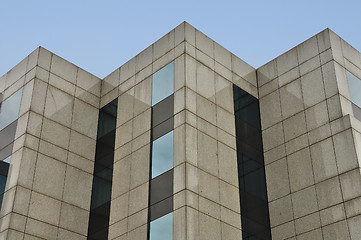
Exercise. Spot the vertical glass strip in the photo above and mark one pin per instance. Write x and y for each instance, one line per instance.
(103, 173)
(251, 172)
(160, 216)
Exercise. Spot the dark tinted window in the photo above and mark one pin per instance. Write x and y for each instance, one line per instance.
(103, 173)
(251, 173)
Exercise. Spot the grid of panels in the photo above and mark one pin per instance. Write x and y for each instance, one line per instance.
(54, 148)
(310, 139)
(284, 158)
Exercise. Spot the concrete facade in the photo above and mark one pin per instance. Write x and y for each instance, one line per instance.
(311, 142)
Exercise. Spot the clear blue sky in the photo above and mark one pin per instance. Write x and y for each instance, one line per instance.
(100, 36)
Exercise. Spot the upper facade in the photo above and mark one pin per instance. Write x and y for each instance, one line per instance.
(185, 140)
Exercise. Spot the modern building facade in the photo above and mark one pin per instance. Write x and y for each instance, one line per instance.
(184, 141)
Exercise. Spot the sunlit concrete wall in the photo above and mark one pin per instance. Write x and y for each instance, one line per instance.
(49, 182)
(206, 197)
(311, 143)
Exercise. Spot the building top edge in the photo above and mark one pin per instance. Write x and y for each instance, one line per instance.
(182, 29)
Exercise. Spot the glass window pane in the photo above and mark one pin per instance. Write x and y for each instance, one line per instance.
(2, 183)
(7, 160)
(255, 184)
(163, 83)
(161, 187)
(354, 85)
(9, 109)
(103, 173)
(162, 228)
(162, 154)
(102, 190)
(252, 182)
(107, 118)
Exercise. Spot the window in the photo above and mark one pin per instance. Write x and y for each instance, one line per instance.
(9, 109)
(251, 173)
(7, 160)
(354, 84)
(162, 228)
(103, 173)
(161, 182)
(4, 167)
(2, 183)
(163, 83)
(162, 154)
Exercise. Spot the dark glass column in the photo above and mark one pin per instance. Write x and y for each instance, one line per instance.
(4, 168)
(103, 173)
(251, 172)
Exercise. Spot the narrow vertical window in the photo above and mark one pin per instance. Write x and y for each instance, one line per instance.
(161, 168)
(354, 84)
(251, 172)
(103, 173)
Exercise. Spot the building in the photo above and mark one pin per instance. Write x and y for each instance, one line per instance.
(184, 141)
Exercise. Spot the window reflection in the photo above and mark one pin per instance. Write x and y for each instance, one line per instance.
(7, 160)
(354, 84)
(162, 154)
(2, 183)
(251, 175)
(4, 167)
(162, 228)
(9, 109)
(163, 83)
(103, 173)
(107, 118)
(102, 188)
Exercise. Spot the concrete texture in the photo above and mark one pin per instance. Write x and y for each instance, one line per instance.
(311, 141)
